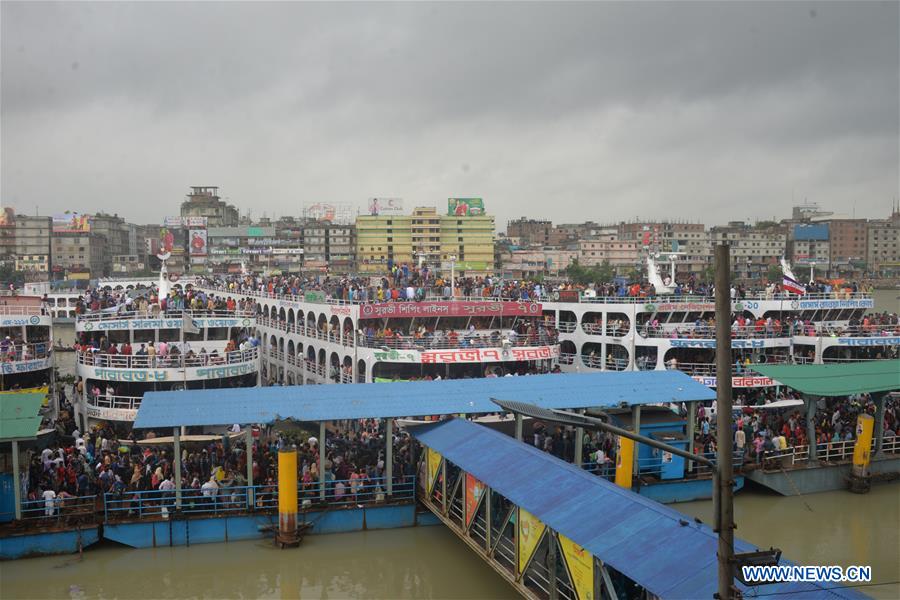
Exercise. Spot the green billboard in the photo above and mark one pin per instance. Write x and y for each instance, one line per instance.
(465, 207)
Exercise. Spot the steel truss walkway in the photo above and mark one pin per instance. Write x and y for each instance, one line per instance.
(556, 532)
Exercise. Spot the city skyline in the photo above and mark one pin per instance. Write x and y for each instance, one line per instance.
(705, 112)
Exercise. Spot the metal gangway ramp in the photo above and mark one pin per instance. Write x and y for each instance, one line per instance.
(554, 531)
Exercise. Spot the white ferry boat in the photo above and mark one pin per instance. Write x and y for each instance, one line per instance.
(26, 349)
(190, 350)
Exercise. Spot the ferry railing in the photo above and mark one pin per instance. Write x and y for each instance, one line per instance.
(551, 296)
(60, 509)
(888, 330)
(461, 342)
(567, 326)
(134, 361)
(606, 470)
(112, 315)
(709, 369)
(234, 499)
(706, 332)
(846, 360)
(566, 358)
(6, 309)
(16, 352)
(104, 401)
(737, 461)
(826, 452)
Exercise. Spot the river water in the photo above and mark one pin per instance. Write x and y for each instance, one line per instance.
(430, 562)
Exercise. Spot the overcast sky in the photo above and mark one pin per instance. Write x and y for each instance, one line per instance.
(706, 112)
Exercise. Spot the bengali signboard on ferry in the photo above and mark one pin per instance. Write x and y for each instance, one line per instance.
(468, 355)
(738, 381)
(689, 343)
(822, 304)
(111, 414)
(450, 309)
(25, 320)
(126, 324)
(174, 374)
(870, 341)
(25, 366)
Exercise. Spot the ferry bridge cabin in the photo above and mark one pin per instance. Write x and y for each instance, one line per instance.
(26, 343)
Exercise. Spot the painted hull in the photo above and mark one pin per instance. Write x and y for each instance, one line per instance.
(683, 490)
(47, 543)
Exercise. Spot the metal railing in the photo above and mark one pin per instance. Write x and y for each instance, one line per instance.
(133, 361)
(566, 358)
(709, 369)
(463, 340)
(606, 470)
(15, 309)
(21, 352)
(60, 509)
(858, 331)
(230, 499)
(127, 402)
(826, 452)
(567, 326)
(708, 332)
(112, 315)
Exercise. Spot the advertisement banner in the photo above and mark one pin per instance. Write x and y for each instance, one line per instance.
(7, 217)
(531, 530)
(449, 309)
(385, 206)
(434, 468)
(474, 492)
(71, 223)
(580, 564)
(198, 242)
(465, 207)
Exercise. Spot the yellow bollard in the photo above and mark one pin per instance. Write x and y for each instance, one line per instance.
(624, 462)
(287, 497)
(863, 448)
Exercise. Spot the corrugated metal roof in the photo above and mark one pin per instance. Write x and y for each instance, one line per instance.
(413, 398)
(836, 379)
(638, 537)
(19, 418)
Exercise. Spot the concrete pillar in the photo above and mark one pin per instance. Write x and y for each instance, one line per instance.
(487, 519)
(389, 455)
(248, 442)
(17, 480)
(176, 436)
(579, 441)
(811, 428)
(879, 422)
(519, 427)
(322, 460)
(691, 428)
(287, 495)
(636, 421)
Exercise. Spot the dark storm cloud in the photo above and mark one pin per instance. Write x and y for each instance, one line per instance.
(600, 111)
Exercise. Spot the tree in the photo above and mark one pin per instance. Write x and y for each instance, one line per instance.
(774, 274)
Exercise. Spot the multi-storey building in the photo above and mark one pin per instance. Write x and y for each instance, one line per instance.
(809, 245)
(204, 201)
(848, 243)
(469, 242)
(523, 263)
(529, 231)
(32, 247)
(7, 237)
(383, 241)
(82, 253)
(689, 241)
(621, 254)
(753, 249)
(329, 247)
(883, 236)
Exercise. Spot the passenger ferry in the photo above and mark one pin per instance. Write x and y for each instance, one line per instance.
(26, 349)
(123, 355)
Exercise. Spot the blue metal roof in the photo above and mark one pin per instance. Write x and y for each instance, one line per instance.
(637, 536)
(413, 398)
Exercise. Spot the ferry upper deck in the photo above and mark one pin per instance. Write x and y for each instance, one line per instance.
(25, 342)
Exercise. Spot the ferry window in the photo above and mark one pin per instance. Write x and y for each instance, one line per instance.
(193, 337)
(37, 333)
(169, 335)
(217, 333)
(118, 337)
(143, 336)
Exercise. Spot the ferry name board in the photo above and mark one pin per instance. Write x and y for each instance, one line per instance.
(126, 324)
(870, 341)
(712, 343)
(821, 304)
(192, 373)
(449, 309)
(26, 320)
(739, 382)
(469, 355)
(24, 366)
(112, 414)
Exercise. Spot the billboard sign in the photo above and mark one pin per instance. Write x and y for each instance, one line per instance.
(198, 242)
(193, 222)
(465, 207)
(385, 206)
(71, 223)
(7, 217)
(339, 214)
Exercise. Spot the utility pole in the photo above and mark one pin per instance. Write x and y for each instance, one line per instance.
(724, 519)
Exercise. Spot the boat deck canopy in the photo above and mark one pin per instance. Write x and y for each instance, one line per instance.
(413, 398)
(666, 552)
(836, 379)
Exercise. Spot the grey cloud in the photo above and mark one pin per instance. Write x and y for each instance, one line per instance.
(571, 111)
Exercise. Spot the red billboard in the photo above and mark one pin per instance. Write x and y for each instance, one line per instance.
(449, 309)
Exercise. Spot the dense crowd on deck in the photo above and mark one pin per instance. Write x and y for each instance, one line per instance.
(105, 461)
(146, 301)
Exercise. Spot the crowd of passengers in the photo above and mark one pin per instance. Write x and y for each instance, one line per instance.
(523, 333)
(139, 474)
(103, 353)
(13, 347)
(145, 301)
